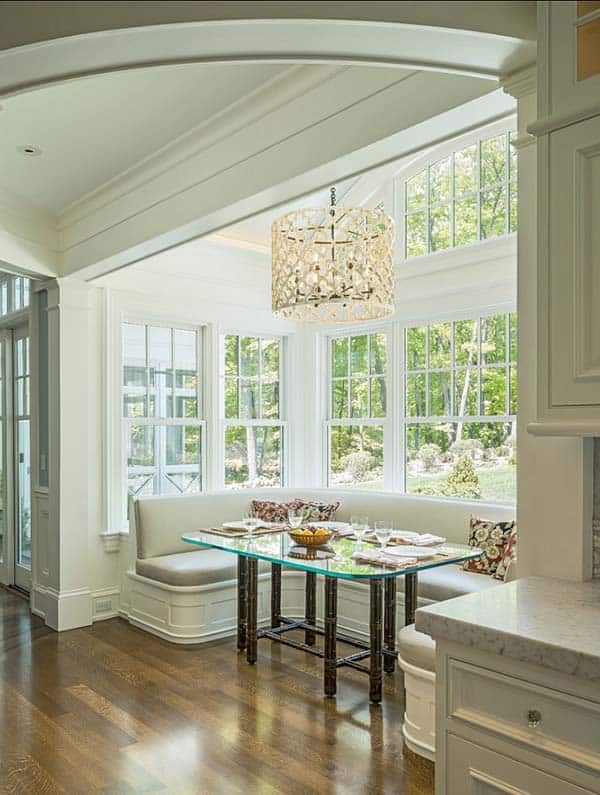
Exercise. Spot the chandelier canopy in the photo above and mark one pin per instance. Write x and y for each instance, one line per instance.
(333, 264)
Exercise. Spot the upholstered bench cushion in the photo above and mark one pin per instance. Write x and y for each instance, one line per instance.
(416, 649)
(446, 582)
(201, 567)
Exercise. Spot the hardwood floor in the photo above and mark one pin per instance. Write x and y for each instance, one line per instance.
(112, 709)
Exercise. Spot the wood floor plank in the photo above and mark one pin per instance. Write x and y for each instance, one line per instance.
(110, 709)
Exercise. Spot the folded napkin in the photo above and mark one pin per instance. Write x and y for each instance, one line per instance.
(417, 539)
(238, 525)
(378, 558)
(342, 532)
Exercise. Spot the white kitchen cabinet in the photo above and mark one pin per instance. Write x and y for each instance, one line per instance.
(476, 770)
(568, 257)
(503, 726)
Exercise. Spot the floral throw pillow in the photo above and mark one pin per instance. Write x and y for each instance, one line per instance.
(510, 554)
(271, 511)
(492, 537)
(314, 510)
(317, 511)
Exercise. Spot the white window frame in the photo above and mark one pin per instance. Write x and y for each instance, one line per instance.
(280, 422)
(330, 422)
(472, 419)
(395, 423)
(429, 158)
(200, 421)
(10, 286)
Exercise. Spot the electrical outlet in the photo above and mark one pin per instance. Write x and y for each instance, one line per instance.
(103, 606)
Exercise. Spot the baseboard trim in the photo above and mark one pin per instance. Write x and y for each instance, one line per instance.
(62, 610)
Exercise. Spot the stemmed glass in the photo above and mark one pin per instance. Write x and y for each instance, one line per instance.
(360, 526)
(383, 533)
(250, 523)
(295, 517)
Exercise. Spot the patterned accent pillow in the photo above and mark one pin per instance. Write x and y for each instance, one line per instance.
(492, 538)
(314, 510)
(317, 511)
(510, 555)
(271, 511)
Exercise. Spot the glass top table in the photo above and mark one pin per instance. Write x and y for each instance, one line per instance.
(335, 562)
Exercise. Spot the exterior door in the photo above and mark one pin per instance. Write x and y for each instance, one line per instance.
(21, 452)
(7, 536)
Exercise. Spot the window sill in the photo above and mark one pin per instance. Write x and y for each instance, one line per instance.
(111, 539)
(481, 252)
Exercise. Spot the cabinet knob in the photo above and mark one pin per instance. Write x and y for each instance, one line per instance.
(534, 718)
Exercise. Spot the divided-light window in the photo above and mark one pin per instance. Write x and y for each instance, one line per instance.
(254, 429)
(358, 408)
(468, 196)
(161, 409)
(14, 293)
(460, 408)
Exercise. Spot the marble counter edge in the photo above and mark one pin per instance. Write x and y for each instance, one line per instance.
(506, 644)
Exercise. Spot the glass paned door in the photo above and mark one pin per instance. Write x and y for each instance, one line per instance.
(22, 457)
(6, 511)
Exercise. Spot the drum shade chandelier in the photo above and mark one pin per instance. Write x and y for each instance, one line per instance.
(333, 264)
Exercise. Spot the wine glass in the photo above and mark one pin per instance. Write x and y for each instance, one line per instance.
(360, 525)
(295, 517)
(250, 522)
(383, 533)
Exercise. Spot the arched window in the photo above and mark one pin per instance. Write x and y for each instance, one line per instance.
(466, 196)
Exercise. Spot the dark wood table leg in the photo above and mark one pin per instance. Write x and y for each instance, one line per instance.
(310, 605)
(330, 636)
(242, 616)
(376, 632)
(389, 624)
(410, 598)
(275, 595)
(252, 609)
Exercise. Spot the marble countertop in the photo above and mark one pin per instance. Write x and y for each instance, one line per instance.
(547, 622)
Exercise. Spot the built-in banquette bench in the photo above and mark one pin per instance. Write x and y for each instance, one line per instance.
(188, 595)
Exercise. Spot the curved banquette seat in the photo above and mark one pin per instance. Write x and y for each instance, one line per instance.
(173, 589)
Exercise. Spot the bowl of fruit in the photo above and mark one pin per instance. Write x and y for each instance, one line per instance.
(310, 536)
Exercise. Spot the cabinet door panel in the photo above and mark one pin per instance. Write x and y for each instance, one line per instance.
(474, 770)
(574, 266)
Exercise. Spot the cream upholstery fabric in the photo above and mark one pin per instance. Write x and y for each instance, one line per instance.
(416, 648)
(199, 567)
(446, 582)
(160, 521)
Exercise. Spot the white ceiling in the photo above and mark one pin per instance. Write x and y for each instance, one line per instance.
(256, 230)
(93, 129)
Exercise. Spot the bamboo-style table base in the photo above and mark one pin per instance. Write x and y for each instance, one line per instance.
(381, 648)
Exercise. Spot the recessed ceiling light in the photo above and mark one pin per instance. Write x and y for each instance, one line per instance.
(30, 151)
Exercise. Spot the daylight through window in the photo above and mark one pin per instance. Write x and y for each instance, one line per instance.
(460, 407)
(468, 196)
(161, 409)
(358, 410)
(254, 430)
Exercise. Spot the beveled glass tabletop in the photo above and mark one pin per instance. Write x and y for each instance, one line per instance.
(334, 560)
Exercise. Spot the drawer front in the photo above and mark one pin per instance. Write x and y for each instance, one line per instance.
(559, 724)
(474, 770)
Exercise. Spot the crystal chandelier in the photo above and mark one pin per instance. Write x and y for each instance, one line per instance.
(333, 264)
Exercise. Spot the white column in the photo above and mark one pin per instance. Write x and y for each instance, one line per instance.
(554, 475)
(62, 594)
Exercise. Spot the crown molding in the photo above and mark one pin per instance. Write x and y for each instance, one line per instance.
(520, 84)
(290, 85)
